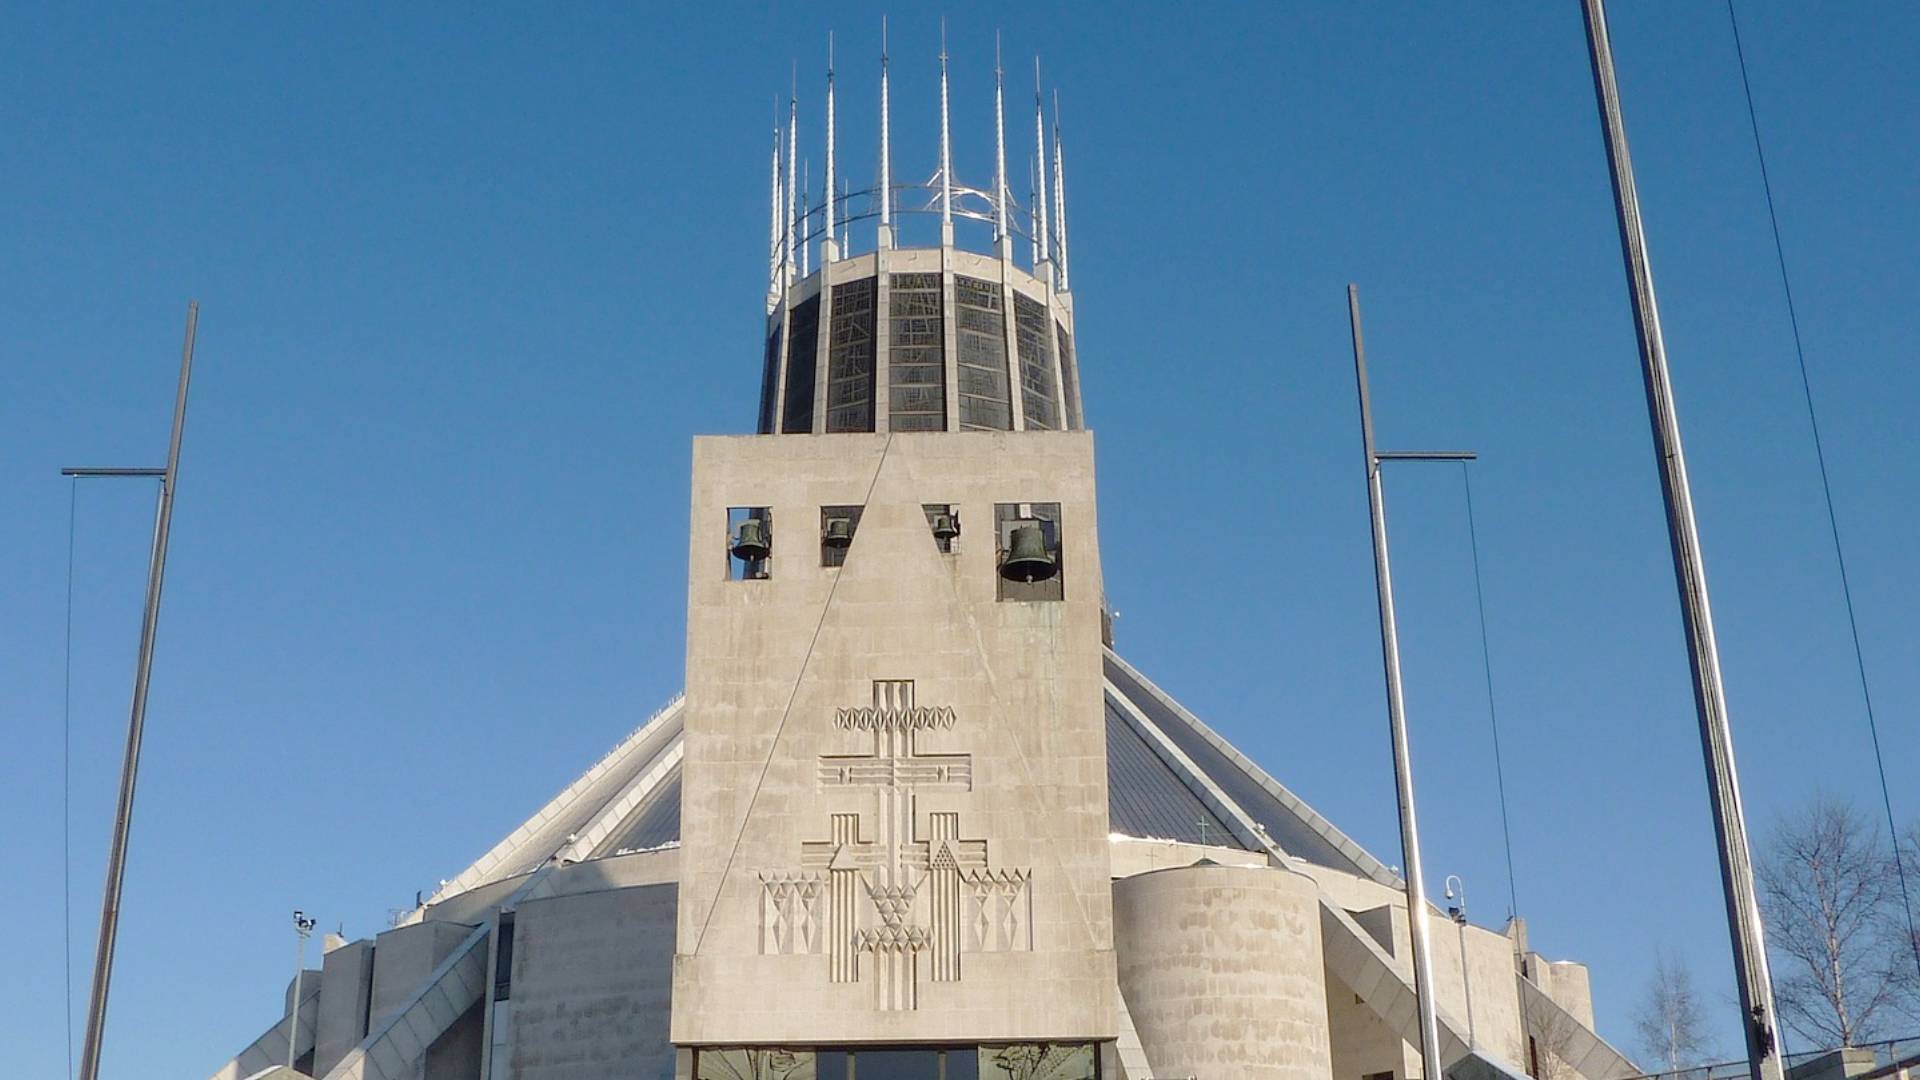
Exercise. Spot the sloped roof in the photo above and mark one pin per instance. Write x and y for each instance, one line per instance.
(1249, 790)
(1146, 799)
(1169, 776)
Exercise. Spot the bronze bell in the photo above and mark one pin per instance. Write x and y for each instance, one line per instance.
(838, 532)
(750, 542)
(945, 527)
(1027, 558)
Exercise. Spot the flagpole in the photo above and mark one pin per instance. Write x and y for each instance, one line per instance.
(1420, 934)
(1690, 573)
(136, 723)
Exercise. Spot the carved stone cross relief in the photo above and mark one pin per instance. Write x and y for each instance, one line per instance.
(904, 893)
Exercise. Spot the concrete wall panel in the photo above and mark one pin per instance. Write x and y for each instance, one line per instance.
(592, 986)
(346, 980)
(1008, 935)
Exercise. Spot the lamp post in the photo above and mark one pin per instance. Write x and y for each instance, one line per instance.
(302, 928)
(1457, 911)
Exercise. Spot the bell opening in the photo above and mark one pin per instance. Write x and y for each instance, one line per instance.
(943, 519)
(1028, 566)
(749, 543)
(837, 527)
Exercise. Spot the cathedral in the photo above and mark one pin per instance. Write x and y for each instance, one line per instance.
(914, 818)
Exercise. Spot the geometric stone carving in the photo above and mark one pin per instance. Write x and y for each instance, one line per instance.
(903, 896)
(999, 915)
(792, 919)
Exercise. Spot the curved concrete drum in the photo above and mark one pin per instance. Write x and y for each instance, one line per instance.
(1221, 967)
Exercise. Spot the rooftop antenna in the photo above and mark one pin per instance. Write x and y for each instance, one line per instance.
(1040, 168)
(886, 148)
(1690, 572)
(793, 158)
(946, 148)
(1059, 193)
(136, 721)
(827, 244)
(806, 215)
(1005, 237)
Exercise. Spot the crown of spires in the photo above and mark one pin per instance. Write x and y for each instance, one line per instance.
(796, 223)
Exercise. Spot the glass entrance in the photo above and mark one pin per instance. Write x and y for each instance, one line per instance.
(1013, 1061)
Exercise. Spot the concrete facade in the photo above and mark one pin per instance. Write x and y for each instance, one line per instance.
(1487, 1002)
(405, 957)
(1221, 968)
(591, 969)
(894, 803)
(346, 1003)
(592, 986)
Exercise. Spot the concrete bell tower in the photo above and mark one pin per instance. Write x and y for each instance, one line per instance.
(895, 826)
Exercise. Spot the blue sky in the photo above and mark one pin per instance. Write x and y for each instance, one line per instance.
(471, 279)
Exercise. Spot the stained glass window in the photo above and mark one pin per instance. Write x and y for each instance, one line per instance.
(754, 1063)
(913, 1064)
(1039, 1061)
(850, 357)
(1070, 378)
(770, 383)
(917, 355)
(1038, 401)
(798, 414)
(981, 338)
(1015, 1061)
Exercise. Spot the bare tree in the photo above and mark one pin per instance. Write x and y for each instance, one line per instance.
(1550, 1033)
(1907, 943)
(1828, 893)
(1670, 1023)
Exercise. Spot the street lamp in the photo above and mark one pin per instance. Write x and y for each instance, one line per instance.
(303, 928)
(1457, 911)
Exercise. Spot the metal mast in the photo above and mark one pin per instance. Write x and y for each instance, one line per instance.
(827, 245)
(1003, 236)
(1040, 169)
(1033, 213)
(1709, 692)
(136, 722)
(1420, 932)
(946, 148)
(793, 160)
(773, 222)
(886, 148)
(1059, 193)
